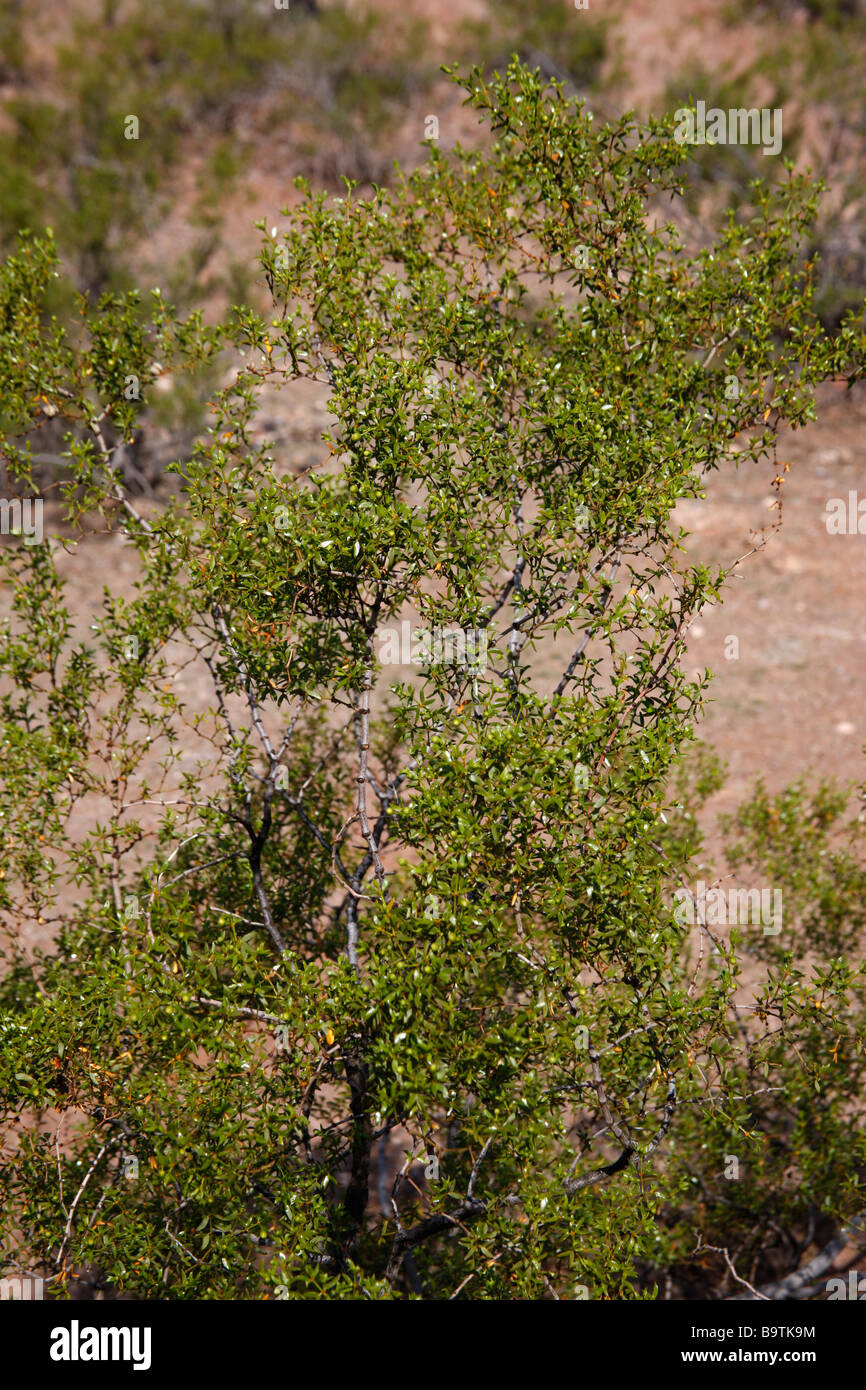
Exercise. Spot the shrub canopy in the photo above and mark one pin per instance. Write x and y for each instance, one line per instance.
(367, 980)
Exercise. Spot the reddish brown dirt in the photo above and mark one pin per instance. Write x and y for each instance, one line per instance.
(793, 699)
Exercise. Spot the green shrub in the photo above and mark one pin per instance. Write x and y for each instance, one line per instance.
(365, 982)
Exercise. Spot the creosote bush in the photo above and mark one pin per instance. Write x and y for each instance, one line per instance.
(331, 978)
